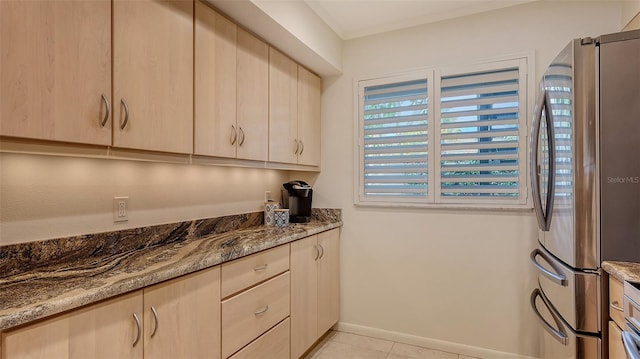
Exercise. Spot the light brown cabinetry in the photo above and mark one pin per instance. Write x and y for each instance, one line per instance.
(273, 344)
(103, 330)
(283, 108)
(257, 291)
(55, 73)
(153, 75)
(309, 97)
(616, 318)
(215, 131)
(294, 112)
(173, 319)
(181, 319)
(252, 97)
(314, 289)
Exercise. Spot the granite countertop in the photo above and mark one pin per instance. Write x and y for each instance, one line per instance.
(624, 271)
(44, 278)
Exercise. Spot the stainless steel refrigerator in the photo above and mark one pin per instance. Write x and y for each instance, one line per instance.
(585, 180)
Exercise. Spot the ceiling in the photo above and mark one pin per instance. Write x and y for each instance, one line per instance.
(356, 18)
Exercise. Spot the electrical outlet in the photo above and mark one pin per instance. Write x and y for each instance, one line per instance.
(120, 209)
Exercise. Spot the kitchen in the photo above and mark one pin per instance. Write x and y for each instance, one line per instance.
(419, 276)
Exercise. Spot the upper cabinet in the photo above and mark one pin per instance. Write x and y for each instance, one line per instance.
(309, 97)
(153, 75)
(283, 108)
(253, 97)
(231, 82)
(294, 112)
(45, 92)
(215, 132)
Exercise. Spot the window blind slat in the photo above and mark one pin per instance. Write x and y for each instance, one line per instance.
(368, 123)
(478, 79)
(477, 146)
(489, 89)
(505, 122)
(480, 134)
(508, 98)
(398, 109)
(491, 111)
(393, 129)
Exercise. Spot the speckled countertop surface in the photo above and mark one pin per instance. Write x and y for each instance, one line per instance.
(45, 278)
(624, 271)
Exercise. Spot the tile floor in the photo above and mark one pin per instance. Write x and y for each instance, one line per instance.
(341, 345)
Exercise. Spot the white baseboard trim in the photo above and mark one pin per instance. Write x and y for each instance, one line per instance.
(436, 344)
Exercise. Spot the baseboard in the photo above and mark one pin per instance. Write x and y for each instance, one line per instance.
(436, 344)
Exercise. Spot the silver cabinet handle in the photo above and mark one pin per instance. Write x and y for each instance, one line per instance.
(555, 277)
(556, 333)
(297, 147)
(261, 310)
(107, 112)
(615, 305)
(242, 136)
(234, 135)
(321, 251)
(126, 114)
(317, 253)
(139, 325)
(260, 268)
(155, 320)
(631, 344)
(301, 147)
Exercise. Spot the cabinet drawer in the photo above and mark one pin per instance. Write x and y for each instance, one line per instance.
(249, 314)
(273, 344)
(616, 293)
(616, 348)
(245, 272)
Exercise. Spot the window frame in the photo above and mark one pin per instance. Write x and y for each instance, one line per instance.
(433, 75)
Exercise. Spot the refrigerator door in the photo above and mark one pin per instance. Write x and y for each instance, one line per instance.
(575, 295)
(569, 83)
(557, 339)
(619, 146)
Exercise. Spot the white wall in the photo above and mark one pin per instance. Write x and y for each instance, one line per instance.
(45, 197)
(456, 280)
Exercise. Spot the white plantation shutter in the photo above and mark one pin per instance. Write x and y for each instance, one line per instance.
(445, 137)
(395, 140)
(480, 135)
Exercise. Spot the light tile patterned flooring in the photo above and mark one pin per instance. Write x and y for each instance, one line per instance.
(341, 345)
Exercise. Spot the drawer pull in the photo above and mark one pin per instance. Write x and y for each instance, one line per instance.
(615, 305)
(261, 310)
(260, 268)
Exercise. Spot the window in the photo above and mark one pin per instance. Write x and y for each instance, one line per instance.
(444, 137)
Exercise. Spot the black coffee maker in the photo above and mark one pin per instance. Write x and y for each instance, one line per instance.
(296, 196)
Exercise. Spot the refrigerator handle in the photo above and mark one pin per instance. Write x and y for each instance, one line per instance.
(631, 344)
(558, 334)
(543, 215)
(554, 277)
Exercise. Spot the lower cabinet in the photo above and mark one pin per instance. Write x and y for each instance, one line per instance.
(104, 330)
(315, 289)
(179, 321)
(273, 304)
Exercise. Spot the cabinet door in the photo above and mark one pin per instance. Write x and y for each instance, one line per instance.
(328, 280)
(108, 329)
(55, 68)
(252, 97)
(153, 74)
(304, 294)
(215, 133)
(186, 322)
(103, 330)
(309, 126)
(616, 347)
(283, 108)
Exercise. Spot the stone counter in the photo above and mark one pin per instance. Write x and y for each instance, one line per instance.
(43, 278)
(624, 271)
